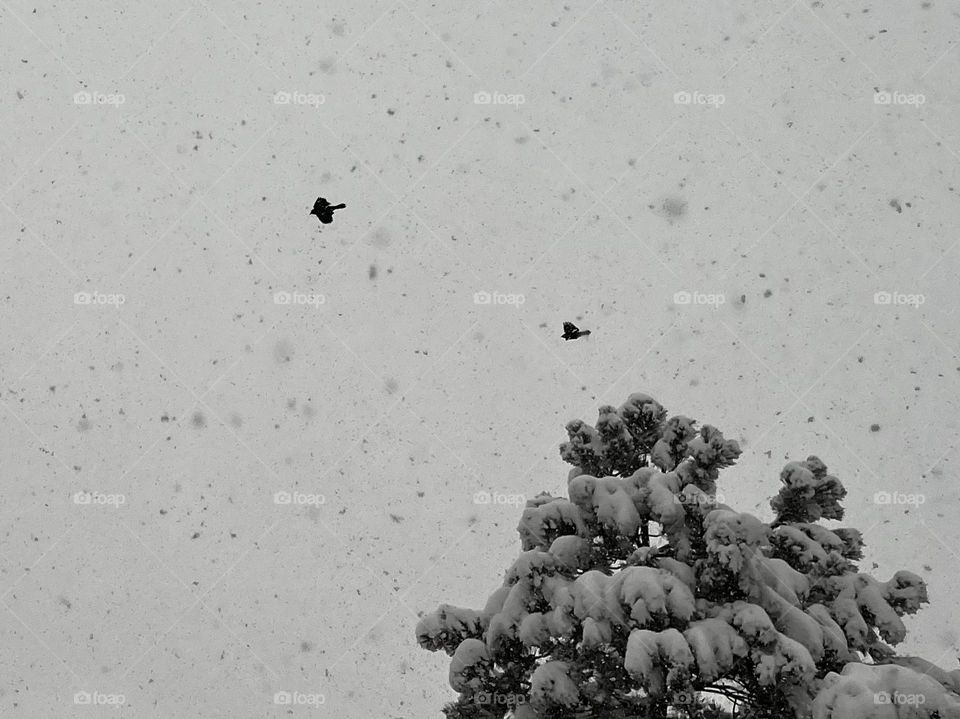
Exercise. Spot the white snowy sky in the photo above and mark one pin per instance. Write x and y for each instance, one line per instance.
(629, 151)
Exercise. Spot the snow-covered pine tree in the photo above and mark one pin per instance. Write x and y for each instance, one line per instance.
(639, 595)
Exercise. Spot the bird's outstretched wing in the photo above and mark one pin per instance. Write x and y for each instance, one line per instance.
(569, 328)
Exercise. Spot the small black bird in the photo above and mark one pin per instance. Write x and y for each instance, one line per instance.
(324, 210)
(570, 331)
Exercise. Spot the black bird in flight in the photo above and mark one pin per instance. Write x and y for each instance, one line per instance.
(324, 210)
(570, 331)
